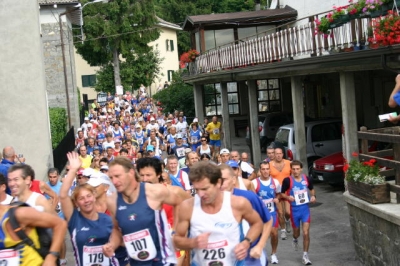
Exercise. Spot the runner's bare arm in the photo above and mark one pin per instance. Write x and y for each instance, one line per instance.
(29, 217)
(47, 190)
(180, 238)
(256, 251)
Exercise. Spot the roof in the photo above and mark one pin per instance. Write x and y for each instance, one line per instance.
(167, 24)
(52, 2)
(270, 16)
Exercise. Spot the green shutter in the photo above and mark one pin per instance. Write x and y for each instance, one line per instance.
(171, 45)
(85, 81)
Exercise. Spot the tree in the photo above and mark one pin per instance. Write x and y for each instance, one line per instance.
(118, 29)
(135, 70)
(180, 96)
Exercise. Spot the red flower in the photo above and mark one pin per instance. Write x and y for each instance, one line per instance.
(372, 161)
(346, 167)
(354, 154)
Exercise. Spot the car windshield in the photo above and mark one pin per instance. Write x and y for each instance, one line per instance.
(282, 136)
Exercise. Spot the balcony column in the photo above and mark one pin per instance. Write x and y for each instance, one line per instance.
(299, 126)
(198, 102)
(348, 99)
(225, 116)
(255, 134)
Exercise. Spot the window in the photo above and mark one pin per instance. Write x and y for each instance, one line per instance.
(88, 80)
(167, 45)
(269, 92)
(169, 72)
(217, 38)
(212, 99)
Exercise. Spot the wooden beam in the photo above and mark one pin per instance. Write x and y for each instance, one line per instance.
(381, 161)
(382, 153)
(379, 137)
(386, 173)
(394, 188)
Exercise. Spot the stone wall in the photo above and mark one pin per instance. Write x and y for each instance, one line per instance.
(376, 231)
(54, 69)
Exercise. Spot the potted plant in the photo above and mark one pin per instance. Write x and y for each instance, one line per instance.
(387, 30)
(323, 26)
(364, 181)
(188, 57)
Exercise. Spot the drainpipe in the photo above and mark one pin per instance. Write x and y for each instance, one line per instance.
(258, 5)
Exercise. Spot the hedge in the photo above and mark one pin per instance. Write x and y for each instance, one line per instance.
(58, 125)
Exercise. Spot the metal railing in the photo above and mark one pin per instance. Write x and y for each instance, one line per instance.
(287, 44)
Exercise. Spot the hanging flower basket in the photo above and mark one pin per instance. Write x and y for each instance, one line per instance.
(387, 30)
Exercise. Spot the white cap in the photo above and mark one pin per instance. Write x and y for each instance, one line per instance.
(195, 120)
(224, 151)
(87, 118)
(97, 179)
(152, 119)
(88, 172)
(79, 129)
(179, 136)
(104, 167)
(89, 125)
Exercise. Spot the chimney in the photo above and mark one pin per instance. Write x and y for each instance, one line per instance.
(258, 6)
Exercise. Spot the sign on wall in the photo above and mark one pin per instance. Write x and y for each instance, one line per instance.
(102, 98)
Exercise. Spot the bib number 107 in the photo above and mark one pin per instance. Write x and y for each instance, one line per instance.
(139, 244)
(214, 254)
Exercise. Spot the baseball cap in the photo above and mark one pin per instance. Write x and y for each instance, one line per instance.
(152, 119)
(89, 125)
(79, 129)
(104, 167)
(178, 136)
(195, 120)
(151, 110)
(232, 164)
(138, 126)
(88, 172)
(168, 121)
(87, 118)
(150, 148)
(80, 171)
(97, 179)
(117, 141)
(224, 151)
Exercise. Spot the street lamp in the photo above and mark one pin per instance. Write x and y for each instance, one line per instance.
(76, 8)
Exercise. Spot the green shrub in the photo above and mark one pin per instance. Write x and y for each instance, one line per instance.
(58, 125)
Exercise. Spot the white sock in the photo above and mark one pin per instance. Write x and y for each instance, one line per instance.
(283, 230)
(305, 253)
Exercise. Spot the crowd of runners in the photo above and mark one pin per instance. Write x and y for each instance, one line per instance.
(148, 188)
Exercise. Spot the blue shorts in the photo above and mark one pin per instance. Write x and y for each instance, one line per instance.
(216, 143)
(300, 214)
(275, 220)
(262, 261)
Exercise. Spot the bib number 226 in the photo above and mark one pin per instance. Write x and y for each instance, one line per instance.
(214, 254)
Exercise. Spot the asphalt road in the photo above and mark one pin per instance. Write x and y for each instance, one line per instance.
(331, 237)
(331, 240)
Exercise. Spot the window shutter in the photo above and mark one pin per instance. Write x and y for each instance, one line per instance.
(172, 45)
(85, 81)
(167, 44)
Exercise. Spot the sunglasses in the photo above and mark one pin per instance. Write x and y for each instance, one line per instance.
(203, 140)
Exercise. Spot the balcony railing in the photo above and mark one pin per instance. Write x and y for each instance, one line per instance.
(288, 44)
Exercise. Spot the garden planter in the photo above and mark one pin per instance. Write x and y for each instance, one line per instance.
(339, 21)
(370, 193)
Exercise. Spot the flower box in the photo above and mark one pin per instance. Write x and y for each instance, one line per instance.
(370, 193)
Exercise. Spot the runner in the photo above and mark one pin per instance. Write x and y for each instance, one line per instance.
(177, 176)
(214, 218)
(297, 189)
(89, 229)
(256, 255)
(139, 215)
(214, 129)
(241, 183)
(268, 189)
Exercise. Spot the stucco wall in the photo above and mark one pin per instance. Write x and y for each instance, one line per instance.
(23, 110)
(83, 68)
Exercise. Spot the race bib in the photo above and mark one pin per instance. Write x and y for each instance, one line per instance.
(215, 253)
(9, 257)
(269, 203)
(140, 245)
(58, 207)
(216, 131)
(194, 139)
(140, 141)
(301, 197)
(94, 256)
(180, 152)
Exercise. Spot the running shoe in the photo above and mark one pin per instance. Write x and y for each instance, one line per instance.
(288, 226)
(274, 259)
(283, 235)
(306, 260)
(295, 244)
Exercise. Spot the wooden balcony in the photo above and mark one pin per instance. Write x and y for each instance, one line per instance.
(293, 43)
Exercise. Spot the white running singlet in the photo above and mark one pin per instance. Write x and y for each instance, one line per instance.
(225, 234)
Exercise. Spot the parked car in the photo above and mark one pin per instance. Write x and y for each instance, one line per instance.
(323, 137)
(329, 169)
(268, 126)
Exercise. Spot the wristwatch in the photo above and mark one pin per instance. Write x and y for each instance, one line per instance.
(55, 254)
(247, 239)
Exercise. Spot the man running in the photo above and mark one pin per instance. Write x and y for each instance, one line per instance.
(214, 129)
(138, 213)
(268, 189)
(297, 190)
(214, 218)
(256, 252)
